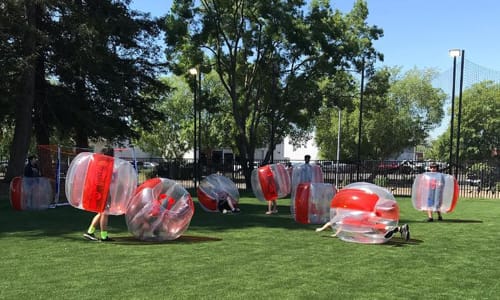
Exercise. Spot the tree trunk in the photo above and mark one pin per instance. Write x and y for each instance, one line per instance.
(25, 100)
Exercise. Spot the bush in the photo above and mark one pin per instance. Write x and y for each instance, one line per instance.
(381, 181)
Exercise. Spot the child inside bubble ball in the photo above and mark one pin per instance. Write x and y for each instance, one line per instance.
(225, 203)
(388, 231)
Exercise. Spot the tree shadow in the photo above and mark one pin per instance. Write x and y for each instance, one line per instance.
(449, 221)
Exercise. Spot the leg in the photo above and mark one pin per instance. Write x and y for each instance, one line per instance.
(269, 207)
(275, 210)
(429, 215)
(324, 227)
(104, 226)
(89, 235)
(440, 218)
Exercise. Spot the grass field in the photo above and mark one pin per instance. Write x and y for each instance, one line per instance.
(250, 256)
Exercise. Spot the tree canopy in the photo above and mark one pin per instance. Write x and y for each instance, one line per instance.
(399, 112)
(269, 57)
(77, 69)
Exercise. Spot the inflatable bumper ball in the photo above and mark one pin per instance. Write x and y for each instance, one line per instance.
(212, 188)
(435, 191)
(160, 210)
(312, 203)
(363, 213)
(30, 193)
(304, 173)
(270, 182)
(100, 183)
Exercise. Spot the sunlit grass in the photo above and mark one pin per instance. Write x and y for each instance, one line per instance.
(250, 255)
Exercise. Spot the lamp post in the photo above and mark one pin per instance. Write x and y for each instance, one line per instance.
(360, 117)
(338, 149)
(453, 53)
(462, 54)
(194, 72)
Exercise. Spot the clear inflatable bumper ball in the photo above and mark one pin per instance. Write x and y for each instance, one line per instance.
(160, 210)
(304, 173)
(215, 187)
(270, 182)
(312, 203)
(100, 183)
(30, 193)
(363, 213)
(435, 191)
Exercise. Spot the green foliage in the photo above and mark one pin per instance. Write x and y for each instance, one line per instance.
(381, 181)
(270, 67)
(399, 111)
(225, 256)
(480, 123)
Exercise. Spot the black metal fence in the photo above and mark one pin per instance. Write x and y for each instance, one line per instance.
(475, 179)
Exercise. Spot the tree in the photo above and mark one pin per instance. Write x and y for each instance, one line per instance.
(173, 135)
(84, 66)
(270, 57)
(480, 123)
(400, 111)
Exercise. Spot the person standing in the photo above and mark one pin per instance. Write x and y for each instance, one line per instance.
(306, 175)
(433, 196)
(31, 169)
(100, 219)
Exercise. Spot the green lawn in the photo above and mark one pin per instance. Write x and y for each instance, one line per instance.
(250, 256)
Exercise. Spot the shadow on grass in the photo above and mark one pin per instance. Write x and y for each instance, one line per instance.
(394, 242)
(66, 219)
(449, 221)
(184, 239)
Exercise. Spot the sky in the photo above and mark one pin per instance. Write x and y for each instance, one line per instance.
(419, 33)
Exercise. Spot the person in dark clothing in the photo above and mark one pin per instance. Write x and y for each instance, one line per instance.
(31, 169)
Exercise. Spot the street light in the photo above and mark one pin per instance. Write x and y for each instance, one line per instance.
(453, 53)
(338, 149)
(462, 54)
(360, 116)
(194, 72)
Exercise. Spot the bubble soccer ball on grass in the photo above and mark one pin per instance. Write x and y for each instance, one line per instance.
(100, 183)
(213, 188)
(434, 191)
(30, 193)
(160, 210)
(270, 182)
(363, 213)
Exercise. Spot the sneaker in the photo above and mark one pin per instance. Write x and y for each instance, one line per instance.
(107, 239)
(225, 211)
(275, 211)
(440, 218)
(236, 210)
(405, 232)
(430, 220)
(90, 236)
(390, 233)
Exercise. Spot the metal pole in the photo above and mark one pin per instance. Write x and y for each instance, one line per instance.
(450, 161)
(360, 118)
(338, 151)
(199, 126)
(459, 113)
(194, 146)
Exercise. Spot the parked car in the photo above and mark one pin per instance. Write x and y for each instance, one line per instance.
(331, 166)
(387, 167)
(3, 166)
(473, 180)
